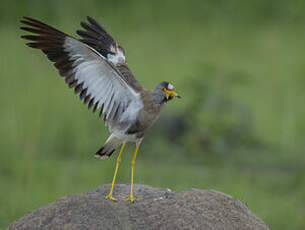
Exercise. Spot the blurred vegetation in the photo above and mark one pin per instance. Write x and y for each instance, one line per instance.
(239, 66)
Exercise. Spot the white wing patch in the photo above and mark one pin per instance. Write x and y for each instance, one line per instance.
(118, 56)
(103, 82)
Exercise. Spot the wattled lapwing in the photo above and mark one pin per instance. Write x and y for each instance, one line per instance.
(95, 67)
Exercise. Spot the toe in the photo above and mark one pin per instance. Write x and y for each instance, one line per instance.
(110, 197)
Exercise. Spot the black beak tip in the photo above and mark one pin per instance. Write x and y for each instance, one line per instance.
(179, 96)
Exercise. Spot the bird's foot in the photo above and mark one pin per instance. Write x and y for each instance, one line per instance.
(109, 196)
(132, 199)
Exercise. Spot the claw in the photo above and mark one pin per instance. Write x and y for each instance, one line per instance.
(132, 199)
(110, 197)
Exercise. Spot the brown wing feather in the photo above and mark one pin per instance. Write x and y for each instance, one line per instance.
(97, 79)
(51, 42)
(129, 77)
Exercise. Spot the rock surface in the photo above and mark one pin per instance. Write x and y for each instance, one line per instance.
(158, 209)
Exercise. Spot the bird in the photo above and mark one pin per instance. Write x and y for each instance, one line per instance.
(95, 66)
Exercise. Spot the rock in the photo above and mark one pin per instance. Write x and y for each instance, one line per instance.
(158, 209)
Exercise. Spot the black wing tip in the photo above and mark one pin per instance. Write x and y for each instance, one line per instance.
(23, 18)
(29, 37)
(22, 28)
(28, 19)
(83, 24)
(90, 19)
(39, 27)
(94, 22)
(24, 36)
(32, 45)
(80, 32)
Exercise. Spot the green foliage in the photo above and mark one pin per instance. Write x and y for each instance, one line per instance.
(239, 127)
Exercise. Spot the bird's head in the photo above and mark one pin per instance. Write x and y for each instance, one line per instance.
(164, 92)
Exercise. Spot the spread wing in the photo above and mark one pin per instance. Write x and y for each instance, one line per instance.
(96, 77)
(95, 36)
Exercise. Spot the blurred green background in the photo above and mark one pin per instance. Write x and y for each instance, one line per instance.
(239, 66)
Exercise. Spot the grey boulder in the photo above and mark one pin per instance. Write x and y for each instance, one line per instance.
(157, 209)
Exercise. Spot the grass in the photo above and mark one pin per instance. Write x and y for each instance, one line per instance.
(48, 138)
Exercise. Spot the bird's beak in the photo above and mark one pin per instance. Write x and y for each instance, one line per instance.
(171, 93)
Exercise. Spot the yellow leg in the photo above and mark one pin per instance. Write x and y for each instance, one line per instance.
(109, 196)
(133, 161)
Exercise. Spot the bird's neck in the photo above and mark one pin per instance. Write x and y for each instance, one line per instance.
(158, 99)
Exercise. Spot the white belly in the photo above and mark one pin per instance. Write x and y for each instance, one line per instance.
(124, 137)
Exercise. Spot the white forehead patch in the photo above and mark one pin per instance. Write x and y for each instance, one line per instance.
(170, 86)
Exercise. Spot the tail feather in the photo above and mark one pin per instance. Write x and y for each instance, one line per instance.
(102, 153)
(106, 151)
